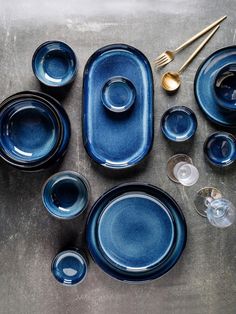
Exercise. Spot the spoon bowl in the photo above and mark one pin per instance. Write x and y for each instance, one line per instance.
(170, 81)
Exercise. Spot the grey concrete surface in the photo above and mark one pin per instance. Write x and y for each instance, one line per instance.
(204, 280)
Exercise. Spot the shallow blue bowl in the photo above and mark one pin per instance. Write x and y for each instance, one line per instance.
(220, 149)
(66, 194)
(118, 94)
(54, 64)
(179, 124)
(69, 267)
(225, 87)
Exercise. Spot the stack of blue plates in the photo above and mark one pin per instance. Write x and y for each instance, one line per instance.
(136, 232)
(34, 131)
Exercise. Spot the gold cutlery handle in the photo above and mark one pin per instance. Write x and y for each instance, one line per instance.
(199, 48)
(204, 31)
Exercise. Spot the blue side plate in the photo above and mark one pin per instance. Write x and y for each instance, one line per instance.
(136, 232)
(207, 92)
(179, 124)
(117, 115)
(220, 149)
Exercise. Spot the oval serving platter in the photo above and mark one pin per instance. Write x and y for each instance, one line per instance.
(136, 232)
(121, 136)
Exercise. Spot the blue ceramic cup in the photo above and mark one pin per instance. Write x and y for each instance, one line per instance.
(66, 194)
(179, 124)
(54, 64)
(225, 87)
(220, 149)
(69, 267)
(118, 94)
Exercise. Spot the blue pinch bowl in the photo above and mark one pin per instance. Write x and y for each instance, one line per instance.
(29, 131)
(220, 149)
(225, 87)
(66, 194)
(118, 94)
(69, 267)
(54, 64)
(179, 124)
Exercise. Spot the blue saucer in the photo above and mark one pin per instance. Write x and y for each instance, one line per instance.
(204, 86)
(66, 194)
(54, 64)
(136, 232)
(179, 124)
(69, 267)
(118, 94)
(220, 149)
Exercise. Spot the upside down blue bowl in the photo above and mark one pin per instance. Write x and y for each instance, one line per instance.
(33, 129)
(54, 64)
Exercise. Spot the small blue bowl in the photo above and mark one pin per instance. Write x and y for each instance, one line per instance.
(179, 124)
(69, 267)
(220, 149)
(66, 194)
(54, 64)
(225, 87)
(118, 94)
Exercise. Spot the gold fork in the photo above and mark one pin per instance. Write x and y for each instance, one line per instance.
(168, 55)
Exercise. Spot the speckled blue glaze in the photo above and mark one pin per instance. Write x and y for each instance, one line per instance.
(136, 232)
(69, 267)
(54, 64)
(64, 126)
(118, 94)
(117, 140)
(179, 124)
(29, 130)
(220, 149)
(66, 194)
(204, 86)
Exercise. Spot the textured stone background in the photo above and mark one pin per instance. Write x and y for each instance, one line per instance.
(204, 280)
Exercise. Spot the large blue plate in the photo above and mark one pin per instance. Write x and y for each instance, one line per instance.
(136, 232)
(204, 86)
(117, 139)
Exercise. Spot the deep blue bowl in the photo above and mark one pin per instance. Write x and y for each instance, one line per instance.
(54, 64)
(179, 124)
(225, 87)
(118, 94)
(66, 194)
(220, 149)
(64, 127)
(69, 267)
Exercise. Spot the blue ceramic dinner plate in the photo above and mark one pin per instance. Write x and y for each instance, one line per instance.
(117, 106)
(179, 124)
(136, 232)
(212, 99)
(220, 149)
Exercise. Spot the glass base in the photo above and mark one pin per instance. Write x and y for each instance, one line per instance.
(204, 196)
(173, 161)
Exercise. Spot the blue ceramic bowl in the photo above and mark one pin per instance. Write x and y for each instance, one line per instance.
(220, 149)
(179, 124)
(66, 194)
(49, 109)
(69, 267)
(225, 87)
(54, 64)
(118, 94)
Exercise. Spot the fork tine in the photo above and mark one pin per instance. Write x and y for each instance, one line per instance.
(163, 55)
(163, 60)
(161, 64)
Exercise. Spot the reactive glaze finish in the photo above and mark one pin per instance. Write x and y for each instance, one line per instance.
(69, 267)
(205, 83)
(136, 232)
(66, 194)
(179, 124)
(54, 64)
(220, 149)
(117, 140)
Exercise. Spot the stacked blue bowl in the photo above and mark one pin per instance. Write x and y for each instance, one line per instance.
(34, 131)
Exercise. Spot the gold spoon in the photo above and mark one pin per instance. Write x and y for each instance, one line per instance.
(171, 81)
